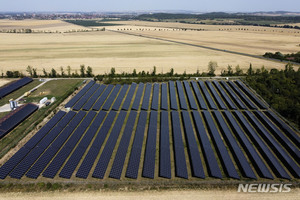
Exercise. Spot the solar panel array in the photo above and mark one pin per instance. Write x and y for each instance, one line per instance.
(170, 130)
(14, 86)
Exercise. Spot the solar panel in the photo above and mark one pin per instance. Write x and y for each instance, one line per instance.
(283, 126)
(281, 154)
(180, 161)
(86, 97)
(195, 160)
(221, 149)
(164, 147)
(209, 156)
(249, 148)
(105, 157)
(138, 96)
(216, 96)
(135, 154)
(244, 98)
(250, 94)
(150, 151)
(118, 163)
(182, 101)
(103, 98)
(146, 99)
(173, 99)
(264, 150)
(207, 96)
(14, 86)
(199, 96)
(164, 97)
(120, 97)
(236, 151)
(93, 99)
(129, 96)
(155, 97)
(224, 95)
(287, 144)
(72, 102)
(90, 158)
(111, 97)
(233, 96)
(190, 96)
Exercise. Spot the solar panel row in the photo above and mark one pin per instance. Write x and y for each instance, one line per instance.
(190, 96)
(120, 98)
(164, 146)
(164, 105)
(146, 99)
(155, 97)
(135, 154)
(224, 95)
(149, 158)
(199, 96)
(129, 96)
(93, 98)
(207, 96)
(103, 98)
(14, 86)
(216, 96)
(173, 99)
(182, 101)
(138, 96)
(233, 96)
(111, 97)
(16, 118)
(72, 102)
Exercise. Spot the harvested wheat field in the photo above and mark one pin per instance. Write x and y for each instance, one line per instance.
(151, 195)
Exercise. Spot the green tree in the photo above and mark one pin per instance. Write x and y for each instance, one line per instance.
(82, 70)
(212, 66)
(62, 73)
(112, 72)
(45, 73)
(69, 71)
(238, 70)
(154, 71)
(53, 72)
(34, 73)
(171, 72)
(229, 70)
(134, 72)
(250, 70)
(89, 71)
(9, 74)
(29, 70)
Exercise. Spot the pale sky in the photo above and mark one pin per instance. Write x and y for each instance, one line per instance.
(146, 5)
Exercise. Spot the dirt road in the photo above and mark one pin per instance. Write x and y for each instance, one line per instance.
(149, 195)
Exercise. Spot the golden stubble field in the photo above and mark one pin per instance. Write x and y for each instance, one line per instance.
(105, 49)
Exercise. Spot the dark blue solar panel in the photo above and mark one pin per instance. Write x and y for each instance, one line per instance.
(287, 144)
(93, 99)
(224, 95)
(180, 161)
(236, 151)
(207, 96)
(90, 158)
(13, 162)
(72, 102)
(26, 163)
(155, 97)
(173, 98)
(181, 96)
(277, 148)
(287, 130)
(134, 159)
(216, 96)
(199, 96)
(244, 98)
(250, 94)
(221, 149)
(129, 96)
(43, 161)
(149, 158)
(138, 96)
(146, 99)
(86, 97)
(111, 97)
(120, 97)
(233, 96)
(262, 147)
(103, 98)
(14, 86)
(117, 167)
(195, 160)
(164, 146)
(16, 117)
(209, 156)
(190, 96)
(105, 157)
(164, 105)
(249, 148)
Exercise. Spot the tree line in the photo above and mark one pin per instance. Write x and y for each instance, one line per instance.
(293, 57)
